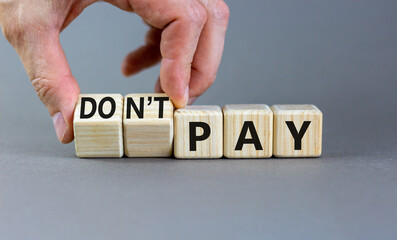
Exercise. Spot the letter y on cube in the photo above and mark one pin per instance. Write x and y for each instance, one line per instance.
(297, 131)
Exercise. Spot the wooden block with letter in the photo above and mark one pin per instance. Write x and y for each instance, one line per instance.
(198, 132)
(98, 125)
(297, 131)
(148, 125)
(248, 131)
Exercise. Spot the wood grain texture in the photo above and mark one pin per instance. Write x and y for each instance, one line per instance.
(152, 135)
(212, 147)
(260, 119)
(283, 140)
(96, 136)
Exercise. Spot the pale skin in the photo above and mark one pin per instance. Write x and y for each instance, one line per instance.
(186, 36)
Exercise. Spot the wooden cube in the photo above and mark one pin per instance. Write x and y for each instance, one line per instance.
(297, 131)
(98, 125)
(198, 132)
(248, 131)
(148, 125)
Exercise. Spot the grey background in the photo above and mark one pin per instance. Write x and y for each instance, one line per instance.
(339, 55)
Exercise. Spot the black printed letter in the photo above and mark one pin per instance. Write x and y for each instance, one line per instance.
(248, 125)
(112, 110)
(193, 138)
(82, 110)
(298, 136)
(161, 104)
(139, 112)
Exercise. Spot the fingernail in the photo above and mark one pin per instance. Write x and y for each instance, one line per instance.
(60, 125)
(187, 95)
(191, 100)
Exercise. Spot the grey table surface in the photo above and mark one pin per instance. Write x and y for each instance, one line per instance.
(339, 55)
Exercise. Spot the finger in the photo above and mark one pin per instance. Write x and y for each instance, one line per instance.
(210, 48)
(157, 87)
(47, 67)
(74, 10)
(145, 56)
(182, 28)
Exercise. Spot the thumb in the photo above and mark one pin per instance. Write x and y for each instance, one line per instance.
(48, 69)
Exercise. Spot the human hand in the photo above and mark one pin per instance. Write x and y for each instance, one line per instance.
(187, 36)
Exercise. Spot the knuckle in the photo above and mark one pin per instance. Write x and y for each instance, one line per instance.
(20, 26)
(197, 14)
(16, 31)
(43, 88)
(221, 12)
(7, 33)
(9, 30)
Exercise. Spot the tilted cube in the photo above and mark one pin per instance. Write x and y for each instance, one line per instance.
(148, 125)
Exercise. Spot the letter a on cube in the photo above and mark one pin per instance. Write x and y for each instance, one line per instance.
(198, 132)
(98, 125)
(148, 125)
(297, 131)
(248, 131)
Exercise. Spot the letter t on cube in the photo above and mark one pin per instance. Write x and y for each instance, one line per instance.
(297, 131)
(148, 125)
